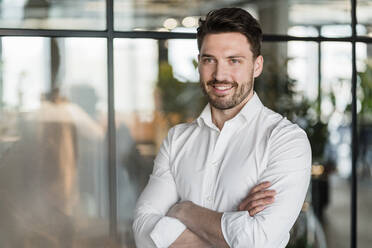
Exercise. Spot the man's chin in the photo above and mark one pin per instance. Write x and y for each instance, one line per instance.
(221, 105)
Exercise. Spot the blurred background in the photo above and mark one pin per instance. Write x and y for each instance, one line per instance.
(56, 147)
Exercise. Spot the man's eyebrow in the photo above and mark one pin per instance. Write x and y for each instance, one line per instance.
(206, 55)
(229, 57)
(236, 56)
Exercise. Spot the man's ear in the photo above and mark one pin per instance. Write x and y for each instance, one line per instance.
(258, 66)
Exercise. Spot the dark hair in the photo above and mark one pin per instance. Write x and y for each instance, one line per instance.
(231, 20)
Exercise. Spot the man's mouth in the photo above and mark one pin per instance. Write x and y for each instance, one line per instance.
(221, 89)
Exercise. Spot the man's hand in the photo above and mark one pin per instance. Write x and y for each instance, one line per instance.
(187, 238)
(201, 221)
(257, 199)
(176, 209)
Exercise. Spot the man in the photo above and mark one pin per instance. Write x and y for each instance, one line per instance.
(197, 193)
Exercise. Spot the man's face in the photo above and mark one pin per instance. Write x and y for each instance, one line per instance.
(227, 69)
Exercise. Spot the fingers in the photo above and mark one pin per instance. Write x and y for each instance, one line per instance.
(256, 210)
(255, 199)
(257, 206)
(260, 195)
(260, 187)
(260, 202)
(258, 198)
(251, 198)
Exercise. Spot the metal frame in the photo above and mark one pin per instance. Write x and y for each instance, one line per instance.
(111, 120)
(354, 131)
(110, 34)
(162, 35)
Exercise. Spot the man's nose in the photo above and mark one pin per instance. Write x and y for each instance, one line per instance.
(221, 72)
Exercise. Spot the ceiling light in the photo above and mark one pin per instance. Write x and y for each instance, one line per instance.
(170, 23)
(190, 21)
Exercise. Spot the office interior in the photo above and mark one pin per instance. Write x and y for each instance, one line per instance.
(90, 88)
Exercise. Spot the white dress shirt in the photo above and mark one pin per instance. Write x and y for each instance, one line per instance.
(216, 169)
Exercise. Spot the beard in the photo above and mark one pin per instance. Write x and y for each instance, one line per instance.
(227, 102)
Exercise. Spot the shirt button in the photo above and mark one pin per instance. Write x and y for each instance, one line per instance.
(210, 198)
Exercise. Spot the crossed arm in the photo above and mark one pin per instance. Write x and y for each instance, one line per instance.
(204, 225)
(164, 222)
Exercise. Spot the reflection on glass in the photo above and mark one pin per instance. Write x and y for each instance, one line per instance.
(155, 88)
(53, 173)
(53, 14)
(276, 17)
(136, 70)
(364, 163)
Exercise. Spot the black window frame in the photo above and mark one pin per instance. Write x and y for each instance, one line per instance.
(110, 34)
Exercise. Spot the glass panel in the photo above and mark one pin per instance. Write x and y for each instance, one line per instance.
(53, 14)
(289, 85)
(364, 164)
(335, 106)
(146, 106)
(364, 10)
(53, 169)
(135, 123)
(159, 99)
(276, 17)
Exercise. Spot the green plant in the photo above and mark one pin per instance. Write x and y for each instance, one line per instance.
(276, 90)
(185, 99)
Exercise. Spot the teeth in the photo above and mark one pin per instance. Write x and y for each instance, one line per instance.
(223, 87)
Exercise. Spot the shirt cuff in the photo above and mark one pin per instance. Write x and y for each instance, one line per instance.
(232, 224)
(166, 231)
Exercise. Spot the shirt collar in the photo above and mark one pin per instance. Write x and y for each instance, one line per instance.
(247, 113)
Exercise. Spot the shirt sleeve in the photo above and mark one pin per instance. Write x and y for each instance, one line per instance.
(288, 169)
(151, 227)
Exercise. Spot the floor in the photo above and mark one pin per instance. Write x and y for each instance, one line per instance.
(337, 215)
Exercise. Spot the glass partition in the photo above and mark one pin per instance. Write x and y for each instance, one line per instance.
(54, 179)
(146, 106)
(276, 17)
(135, 124)
(364, 10)
(53, 152)
(336, 103)
(290, 83)
(53, 14)
(364, 163)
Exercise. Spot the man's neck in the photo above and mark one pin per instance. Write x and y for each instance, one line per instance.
(219, 117)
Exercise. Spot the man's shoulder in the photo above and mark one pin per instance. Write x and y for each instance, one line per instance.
(279, 126)
(182, 129)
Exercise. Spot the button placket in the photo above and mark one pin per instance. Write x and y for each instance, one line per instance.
(221, 142)
(214, 165)
(209, 196)
(212, 177)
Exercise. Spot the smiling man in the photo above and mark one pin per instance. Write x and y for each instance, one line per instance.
(210, 183)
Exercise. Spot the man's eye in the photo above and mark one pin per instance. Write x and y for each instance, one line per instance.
(235, 61)
(208, 60)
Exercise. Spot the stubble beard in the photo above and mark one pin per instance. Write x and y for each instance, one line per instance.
(219, 102)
